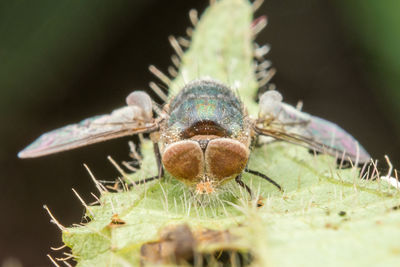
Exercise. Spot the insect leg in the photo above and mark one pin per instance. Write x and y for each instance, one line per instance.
(146, 180)
(143, 181)
(158, 160)
(159, 167)
(259, 174)
(238, 180)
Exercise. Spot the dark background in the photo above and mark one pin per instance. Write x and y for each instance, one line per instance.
(61, 62)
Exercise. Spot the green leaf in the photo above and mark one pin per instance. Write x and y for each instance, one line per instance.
(326, 216)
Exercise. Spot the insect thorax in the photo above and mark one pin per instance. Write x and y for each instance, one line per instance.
(206, 107)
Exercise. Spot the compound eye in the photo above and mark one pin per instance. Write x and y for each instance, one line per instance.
(184, 160)
(225, 157)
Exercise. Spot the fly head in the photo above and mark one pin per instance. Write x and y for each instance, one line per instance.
(205, 160)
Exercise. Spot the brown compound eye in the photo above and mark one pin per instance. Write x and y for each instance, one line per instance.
(225, 157)
(184, 160)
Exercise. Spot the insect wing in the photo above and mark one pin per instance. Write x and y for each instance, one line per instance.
(121, 122)
(284, 122)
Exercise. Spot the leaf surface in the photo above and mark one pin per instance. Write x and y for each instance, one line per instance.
(325, 217)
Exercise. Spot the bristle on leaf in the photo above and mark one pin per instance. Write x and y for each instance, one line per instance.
(160, 75)
(258, 25)
(175, 45)
(194, 17)
(189, 31)
(172, 71)
(268, 76)
(176, 61)
(156, 89)
(257, 4)
(183, 42)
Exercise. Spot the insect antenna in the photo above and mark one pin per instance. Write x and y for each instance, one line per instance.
(259, 174)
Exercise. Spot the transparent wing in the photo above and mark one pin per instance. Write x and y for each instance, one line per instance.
(121, 122)
(284, 122)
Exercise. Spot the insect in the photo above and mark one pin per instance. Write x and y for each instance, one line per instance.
(203, 136)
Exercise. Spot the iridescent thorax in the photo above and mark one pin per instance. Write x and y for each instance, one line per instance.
(207, 135)
(206, 106)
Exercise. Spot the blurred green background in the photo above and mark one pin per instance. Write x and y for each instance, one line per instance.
(62, 61)
(375, 27)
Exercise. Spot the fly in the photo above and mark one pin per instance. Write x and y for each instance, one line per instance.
(203, 136)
